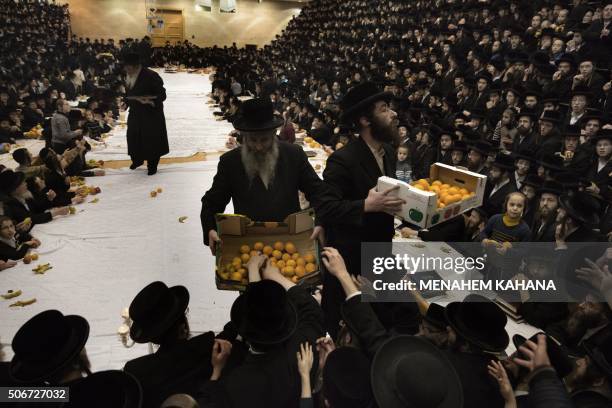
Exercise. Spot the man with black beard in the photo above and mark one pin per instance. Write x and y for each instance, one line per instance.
(543, 228)
(525, 139)
(353, 172)
(262, 177)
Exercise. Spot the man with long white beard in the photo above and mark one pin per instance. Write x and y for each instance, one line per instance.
(262, 177)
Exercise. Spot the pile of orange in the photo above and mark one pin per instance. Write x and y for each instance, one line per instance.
(447, 193)
(284, 256)
(311, 142)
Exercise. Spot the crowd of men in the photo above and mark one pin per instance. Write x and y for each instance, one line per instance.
(517, 91)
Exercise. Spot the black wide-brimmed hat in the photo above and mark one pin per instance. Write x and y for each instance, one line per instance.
(460, 145)
(346, 379)
(571, 131)
(435, 316)
(155, 309)
(600, 355)
(263, 314)
(551, 187)
(581, 90)
(529, 113)
(46, 344)
(550, 116)
(480, 322)
(602, 134)
(582, 207)
(481, 146)
(551, 162)
(104, 389)
(559, 358)
(532, 180)
(257, 115)
(525, 153)
(360, 97)
(408, 371)
(503, 162)
(131, 58)
(10, 180)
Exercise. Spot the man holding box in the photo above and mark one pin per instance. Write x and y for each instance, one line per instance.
(363, 214)
(262, 177)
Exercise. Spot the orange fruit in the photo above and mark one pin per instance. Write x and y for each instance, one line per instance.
(423, 181)
(421, 187)
(237, 262)
(294, 279)
(279, 246)
(286, 257)
(453, 190)
(295, 256)
(463, 191)
(224, 276)
(436, 183)
(236, 276)
(435, 189)
(258, 246)
(310, 267)
(290, 248)
(300, 262)
(254, 253)
(309, 258)
(267, 250)
(445, 186)
(441, 205)
(290, 262)
(277, 254)
(244, 249)
(280, 264)
(242, 271)
(300, 271)
(288, 271)
(245, 258)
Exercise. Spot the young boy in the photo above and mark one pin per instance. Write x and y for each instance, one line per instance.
(403, 168)
(14, 246)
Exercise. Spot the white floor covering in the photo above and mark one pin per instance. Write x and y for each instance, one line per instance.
(103, 255)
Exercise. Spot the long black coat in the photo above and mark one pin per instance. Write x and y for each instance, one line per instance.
(293, 173)
(146, 133)
(177, 369)
(494, 204)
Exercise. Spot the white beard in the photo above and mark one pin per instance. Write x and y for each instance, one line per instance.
(262, 165)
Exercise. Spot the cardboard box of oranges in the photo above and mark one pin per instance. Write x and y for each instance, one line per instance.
(447, 192)
(287, 245)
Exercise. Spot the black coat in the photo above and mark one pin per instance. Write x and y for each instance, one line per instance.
(18, 212)
(600, 177)
(8, 252)
(293, 173)
(176, 369)
(146, 133)
(494, 204)
(547, 233)
(271, 379)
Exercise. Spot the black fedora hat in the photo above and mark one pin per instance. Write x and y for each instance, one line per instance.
(263, 314)
(435, 316)
(131, 58)
(581, 90)
(582, 207)
(155, 309)
(481, 146)
(571, 131)
(480, 322)
(360, 97)
(559, 358)
(525, 153)
(503, 161)
(408, 371)
(532, 180)
(257, 115)
(550, 116)
(46, 344)
(460, 145)
(346, 379)
(103, 389)
(603, 134)
(529, 113)
(10, 180)
(551, 187)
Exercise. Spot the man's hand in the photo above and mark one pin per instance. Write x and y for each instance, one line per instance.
(220, 353)
(254, 266)
(557, 76)
(59, 211)
(498, 372)
(7, 264)
(305, 358)
(408, 233)
(51, 195)
(334, 262)
(24, 226)
(318, 233)
(599, 278)
(213, 241)
(383, 201)
(535, 354)
(325, 345)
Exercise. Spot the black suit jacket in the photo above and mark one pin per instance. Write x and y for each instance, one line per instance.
(352, 171)
(293, 173)
(18, 212)
(178, 369)
(494, 204)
